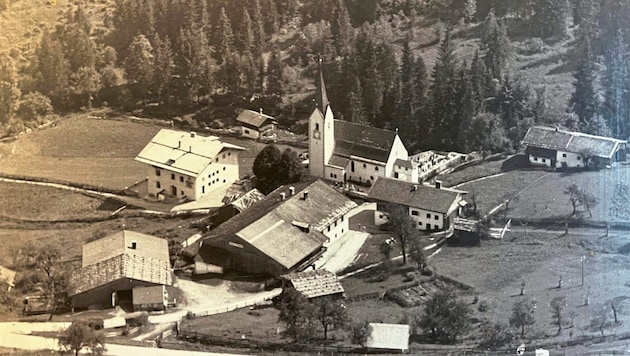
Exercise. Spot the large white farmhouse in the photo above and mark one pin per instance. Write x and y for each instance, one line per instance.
(188, 166)
(344, 151)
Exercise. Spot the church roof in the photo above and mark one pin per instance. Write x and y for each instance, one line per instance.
(362, 141)
(321, 97)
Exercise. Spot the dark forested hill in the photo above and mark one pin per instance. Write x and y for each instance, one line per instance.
(450, 74)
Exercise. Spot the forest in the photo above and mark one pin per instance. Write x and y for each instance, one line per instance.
(208, 57)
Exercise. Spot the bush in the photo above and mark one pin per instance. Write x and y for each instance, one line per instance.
(533, 46)
(483, 306)
(495, 336)
(33, 105)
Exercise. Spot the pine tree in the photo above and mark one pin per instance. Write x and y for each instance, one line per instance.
(84, 84)
(53, 68)
(258, 28)
(584, 102)
(194, 62)
(617, 84)
(274, 74)
(355, 99)
(420, 104)
(443, 105)
(479, 81)
(389, 72)
(550, 17)
(466, 108)
(496, 45)
(226, 45)
(139, 65)
(164, 63)
(9, 90)
(247, 33)
(341, 28)
(407, 98)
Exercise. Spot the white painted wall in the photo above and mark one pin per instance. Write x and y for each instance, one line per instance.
(405, 174)
(364, 171)
(398, 151)
(337, 229)
(316, 144)
(539, 161)
(334, 173)
(250, 133)
(571, 159)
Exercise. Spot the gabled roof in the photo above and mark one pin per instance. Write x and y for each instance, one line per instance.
(414, 195)
(388, 337)
(7, 276)
(254, 118)
(362, 141)
(568, 141)
(129, 266)
(403, 163)
(321, 97)
(274, 226)
(181, 152)
(315, 283)
(248, 199)
(113, 257)
(120, 243)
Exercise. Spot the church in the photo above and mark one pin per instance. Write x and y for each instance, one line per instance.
(343, 151)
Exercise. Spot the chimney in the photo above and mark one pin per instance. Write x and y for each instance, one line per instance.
(260, 110)
(283, 196)
(192, 134)
(133, 245)
(305, 195)
(292, 191)
(438, 184)
(179, 144)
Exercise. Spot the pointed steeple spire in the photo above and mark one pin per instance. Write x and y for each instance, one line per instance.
(321, 98)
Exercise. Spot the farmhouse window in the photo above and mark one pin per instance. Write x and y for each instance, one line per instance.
(579, 158)
(364, 165)
(203, 189)
(216, 159)
(224, 181)
(172, 176)
(181, 179)
(229, 153)
(331, 175)
(376, 168)
(436, 227)
(414, 212)
(428, 216)
(544, 160)
(419, 223)
(536, 159)
(224, 155)
(157, 172)
(182, 192)
(437, 217)
(564, 155)
(371, 177)
(328, 228)
(158, 185)
(246, 131)
(341, 217)
(223, 168)
(396, 175)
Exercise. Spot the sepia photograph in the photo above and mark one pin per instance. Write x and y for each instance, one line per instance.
(314, 177)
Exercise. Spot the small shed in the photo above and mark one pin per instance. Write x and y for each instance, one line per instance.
(255, 125)
(388, 338)
(7, 277)
(314, 284)
(149, 298)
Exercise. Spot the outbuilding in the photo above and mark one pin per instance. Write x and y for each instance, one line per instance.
(256, 125)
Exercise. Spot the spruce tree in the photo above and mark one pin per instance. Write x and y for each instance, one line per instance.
(226, 44)
(274, 74)
(53, 68)
(164, 63)
(247, 34)
(407, 100)
(419, 105)
(496, 45)
(443, 101)
(341, 28)
(355, 99)
(480, 82)
(584, 102)
(139, 65)
(258, 28)
(617, 85)
(466, 108)
(550, 17)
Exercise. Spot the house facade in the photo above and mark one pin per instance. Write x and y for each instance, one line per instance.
(256, 125)
(554, 148)
(285, 232)
(432, 208)
(112, 267)
(343, 151)
(188, 166)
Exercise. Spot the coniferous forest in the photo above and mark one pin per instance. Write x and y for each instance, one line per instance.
(208, 57)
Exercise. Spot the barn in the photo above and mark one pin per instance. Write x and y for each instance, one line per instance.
(113, 266)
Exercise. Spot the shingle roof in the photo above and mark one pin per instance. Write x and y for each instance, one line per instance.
(338, 161)
(129, 265)
(388, 337)
(568, 141)
(362, 141)
(268, 225)
(253, 118)
(315, 283)
(148, 295)
(420, 197)
(181, 152)
(403, 163)
(7, 276)
(120, 243)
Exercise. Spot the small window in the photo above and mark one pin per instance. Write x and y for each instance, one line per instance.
(371, 177)
(376, 168)
(181, 179)
(223, 168)
(579, 158)
(364, 165)
(331, 175)
(436, 227)
(536, 159)
(172, 176)
(380, 216)
(157, 172)
(414, 212)
(428, 216)
(406, 169)
(544, 160)
(437, 217)
(335, 223)
(419, 223)
(224, 181)
(341, 217)
(217, 172)
(182, 192)
(316, 126)
(158, 185)
(216, 159)
(564, 155)
(246, 131)
(224, 155)
(203, 189)
(396, 175)
(328, 228)
(229, 153)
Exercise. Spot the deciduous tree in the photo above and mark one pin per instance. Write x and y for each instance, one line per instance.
(446, 317)
(557, 306)
(79, 336)
(9, 90)
(139, 64)
(523, 315)
(331, 312)
(402, 226)
(297, 313)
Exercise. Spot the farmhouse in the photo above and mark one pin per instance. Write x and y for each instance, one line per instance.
(554, 148)
(188, 166)
(314, 284)
(432, 208)
(388, 338)
(256, 124)
(283, 233)
(344, 151)
(113, 266)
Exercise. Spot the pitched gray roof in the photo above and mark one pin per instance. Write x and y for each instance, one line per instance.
(389, 337)
(568, 141)
(120, 243)
(254, 118)
(269, 224)
(362, 141)
(421, 197)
